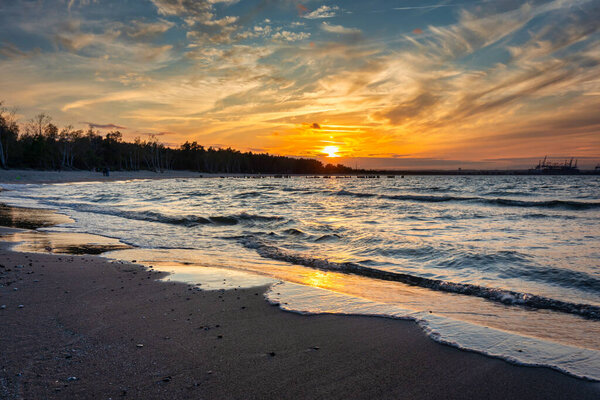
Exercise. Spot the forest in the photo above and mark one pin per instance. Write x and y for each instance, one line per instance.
(39, 144)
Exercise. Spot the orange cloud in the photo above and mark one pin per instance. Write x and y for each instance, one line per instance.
(301, 9)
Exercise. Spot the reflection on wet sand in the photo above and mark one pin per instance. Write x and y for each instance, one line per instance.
(50, 242)
(62, 243)
(544, 324)
(30, 218)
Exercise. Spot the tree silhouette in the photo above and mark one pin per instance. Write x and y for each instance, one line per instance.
(43, 146)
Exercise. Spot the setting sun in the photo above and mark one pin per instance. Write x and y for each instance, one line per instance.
(331, 151)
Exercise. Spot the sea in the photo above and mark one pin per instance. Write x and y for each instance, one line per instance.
(507, 266)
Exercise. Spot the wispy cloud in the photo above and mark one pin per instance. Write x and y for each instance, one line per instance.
(322, 12)
(200, 16)
(290, 36)
(340, 29)
(102, 126)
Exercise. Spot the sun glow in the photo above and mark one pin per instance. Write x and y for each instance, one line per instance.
(331, 151)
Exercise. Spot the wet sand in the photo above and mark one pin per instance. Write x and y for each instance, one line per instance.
(90, 328)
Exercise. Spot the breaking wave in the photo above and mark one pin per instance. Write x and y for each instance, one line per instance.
(564, 204)
(507, 297)
(185, 220)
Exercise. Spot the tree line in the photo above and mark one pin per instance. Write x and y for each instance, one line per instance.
(40, 144)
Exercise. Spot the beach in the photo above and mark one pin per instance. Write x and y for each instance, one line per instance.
(82, 326)
(89, 328)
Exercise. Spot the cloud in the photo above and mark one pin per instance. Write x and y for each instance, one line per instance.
(429, 7)
(81, 3)
(102, 126)
(340, 29)
(9, 50)
(201, 19)
(411, 108)
(147, 30)
(301, 9)
(290, 36)
(69, 35)
(322, 12)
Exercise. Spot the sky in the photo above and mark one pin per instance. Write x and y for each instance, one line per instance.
(373, 84)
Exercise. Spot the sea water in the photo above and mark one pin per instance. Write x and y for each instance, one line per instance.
(503, 265)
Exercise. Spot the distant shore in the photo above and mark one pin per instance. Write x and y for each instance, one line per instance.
(43, 176)
(40, 176)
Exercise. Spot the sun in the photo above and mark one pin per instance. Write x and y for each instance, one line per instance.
(331, 151)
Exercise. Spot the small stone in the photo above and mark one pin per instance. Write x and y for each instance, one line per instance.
(316, 347)
(166, 379)
(21, 306)
(72, 378)
(3, 306)
(139, 345)
(272, 354)
(220, 337)
(15, 289)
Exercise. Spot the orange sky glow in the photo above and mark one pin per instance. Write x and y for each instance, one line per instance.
(469, 84)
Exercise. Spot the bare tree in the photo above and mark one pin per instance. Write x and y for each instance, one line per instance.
(38, 125)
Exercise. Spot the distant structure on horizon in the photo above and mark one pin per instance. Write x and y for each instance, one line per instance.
(548, 167)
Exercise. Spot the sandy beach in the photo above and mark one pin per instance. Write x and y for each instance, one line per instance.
(82, 327)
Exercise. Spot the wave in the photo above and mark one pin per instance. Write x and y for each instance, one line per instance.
(328, 238)
(476, 259)
(294, 232)
(185, 220)
(564, 204)
(249, 195)
(507, 193)
(504, 296)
